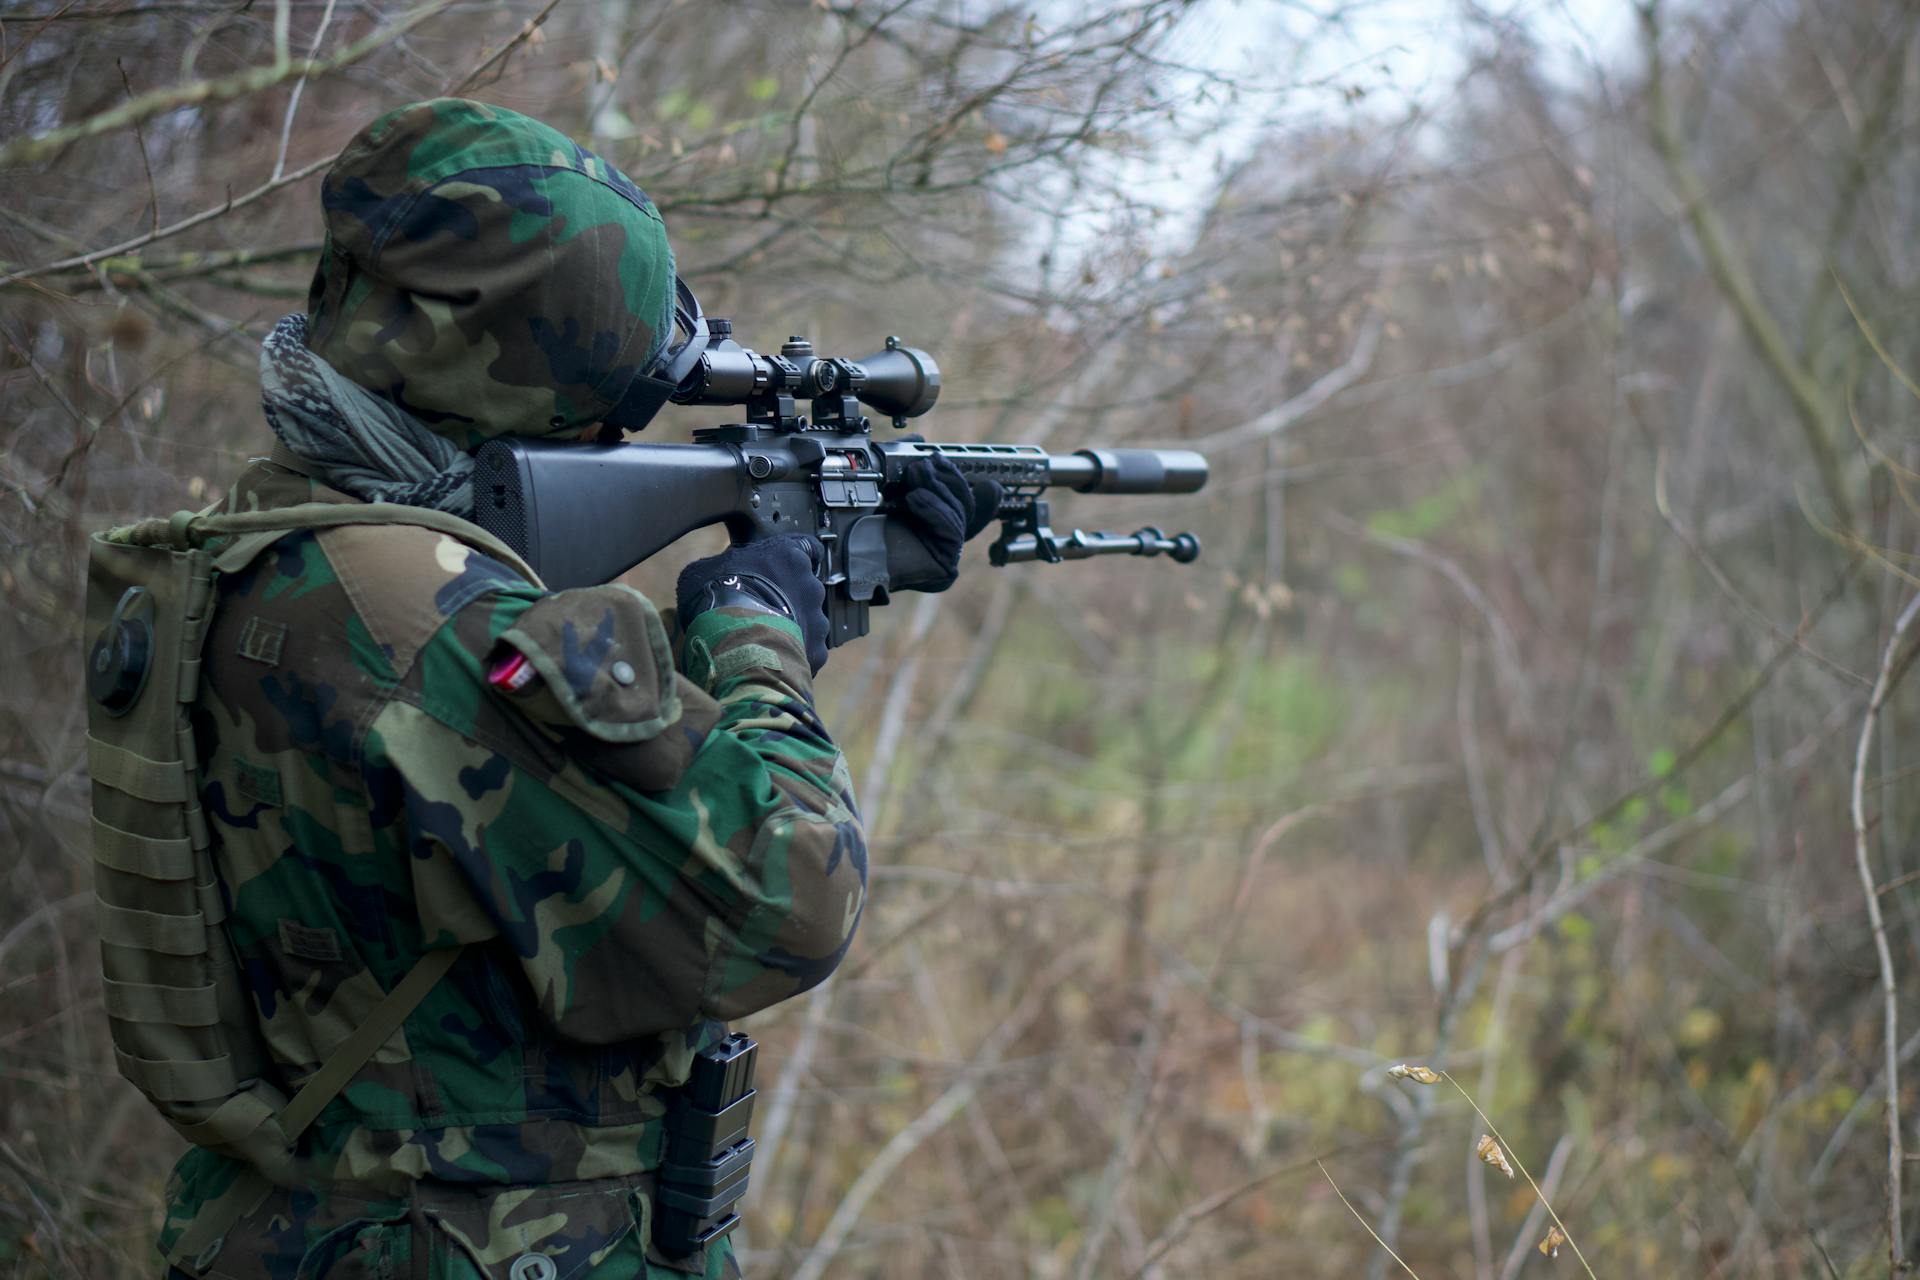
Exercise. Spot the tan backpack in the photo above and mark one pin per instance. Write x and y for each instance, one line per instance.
(182, 1021)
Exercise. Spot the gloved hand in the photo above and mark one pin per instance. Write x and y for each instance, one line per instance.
(944, 510)
(778, 575)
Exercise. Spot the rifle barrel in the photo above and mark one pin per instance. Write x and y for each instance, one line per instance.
(1129, 470)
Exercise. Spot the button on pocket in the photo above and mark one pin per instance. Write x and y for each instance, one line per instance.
(532, 1266)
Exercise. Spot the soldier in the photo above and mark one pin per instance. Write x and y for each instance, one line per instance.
(408, 748)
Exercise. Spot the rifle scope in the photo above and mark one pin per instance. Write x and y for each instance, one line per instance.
(900, 381)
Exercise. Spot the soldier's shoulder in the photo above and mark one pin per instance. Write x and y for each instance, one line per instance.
(404, 582)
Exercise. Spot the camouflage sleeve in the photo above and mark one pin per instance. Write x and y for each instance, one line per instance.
(654, 847)
(755, 666)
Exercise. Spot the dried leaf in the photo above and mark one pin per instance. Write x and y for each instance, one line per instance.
(1490, 1153)
(1551, 1245)
(995, 143)
(1419, 1075)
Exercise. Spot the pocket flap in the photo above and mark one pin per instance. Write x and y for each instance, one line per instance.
(603, 655)
(573, 1226)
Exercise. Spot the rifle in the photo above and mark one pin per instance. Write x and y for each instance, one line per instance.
(582, 514)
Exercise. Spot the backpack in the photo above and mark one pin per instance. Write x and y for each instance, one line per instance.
(181, 1018)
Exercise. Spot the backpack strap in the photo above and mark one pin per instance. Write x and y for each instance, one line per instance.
(201, 1239)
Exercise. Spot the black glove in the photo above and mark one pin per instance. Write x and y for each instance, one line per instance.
(943, 509)
(778, 575)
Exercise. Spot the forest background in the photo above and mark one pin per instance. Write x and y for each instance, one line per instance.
(1535, 714)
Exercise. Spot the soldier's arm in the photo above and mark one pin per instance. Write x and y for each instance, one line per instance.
(655, 847)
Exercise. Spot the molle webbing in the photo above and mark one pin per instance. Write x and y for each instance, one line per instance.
(182, 1029)
(155, 857)
(159, 781)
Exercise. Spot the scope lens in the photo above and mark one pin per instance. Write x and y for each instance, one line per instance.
(902, 382)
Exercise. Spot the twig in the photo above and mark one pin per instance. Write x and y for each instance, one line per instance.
(299, 87)
(1184, 1221)
(266, 188)
(173, 229)
(1882, 686)
(1363, 1222)
(1292, 410)
(1811, 402)
(1506, 651)
(37, 147)
(1132, 1130)
(949, 1104)
(34, 34)
(1703, 816)
(1479, 1222)
(140, 136)
(133, 270)
(526, 32)
(1873, 338)
(1544, 848)
(1688, 538)
(783, 1097)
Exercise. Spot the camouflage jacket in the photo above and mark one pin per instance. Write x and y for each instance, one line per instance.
(635, 852)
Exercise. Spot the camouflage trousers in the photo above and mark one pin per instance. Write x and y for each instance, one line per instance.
(596, 1230)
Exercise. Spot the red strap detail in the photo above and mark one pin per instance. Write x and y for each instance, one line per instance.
(512, 672)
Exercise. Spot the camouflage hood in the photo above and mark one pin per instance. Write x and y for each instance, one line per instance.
(488, 275)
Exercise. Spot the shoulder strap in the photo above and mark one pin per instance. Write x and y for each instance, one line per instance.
(187, 528)
(345, 1062)
(202, 1236)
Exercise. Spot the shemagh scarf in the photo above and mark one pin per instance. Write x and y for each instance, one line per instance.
(354, 440)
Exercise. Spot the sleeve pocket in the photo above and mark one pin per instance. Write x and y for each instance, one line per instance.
(602, 654)
(607, 686)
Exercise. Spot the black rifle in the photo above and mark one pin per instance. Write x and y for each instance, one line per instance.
(582, 514)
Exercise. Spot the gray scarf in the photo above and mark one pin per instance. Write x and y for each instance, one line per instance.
(355, 441)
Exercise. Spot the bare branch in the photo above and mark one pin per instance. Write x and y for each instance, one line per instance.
(35, 148)
(1284, 415)
(1896, 1157)
(1812, 403)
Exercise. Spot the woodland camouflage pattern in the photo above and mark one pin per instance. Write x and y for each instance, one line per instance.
(637, 854)
(487, 273)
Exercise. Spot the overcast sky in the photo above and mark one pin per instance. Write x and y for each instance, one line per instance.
(1400, 52)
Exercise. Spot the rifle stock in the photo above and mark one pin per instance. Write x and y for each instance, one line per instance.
(583, 514)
